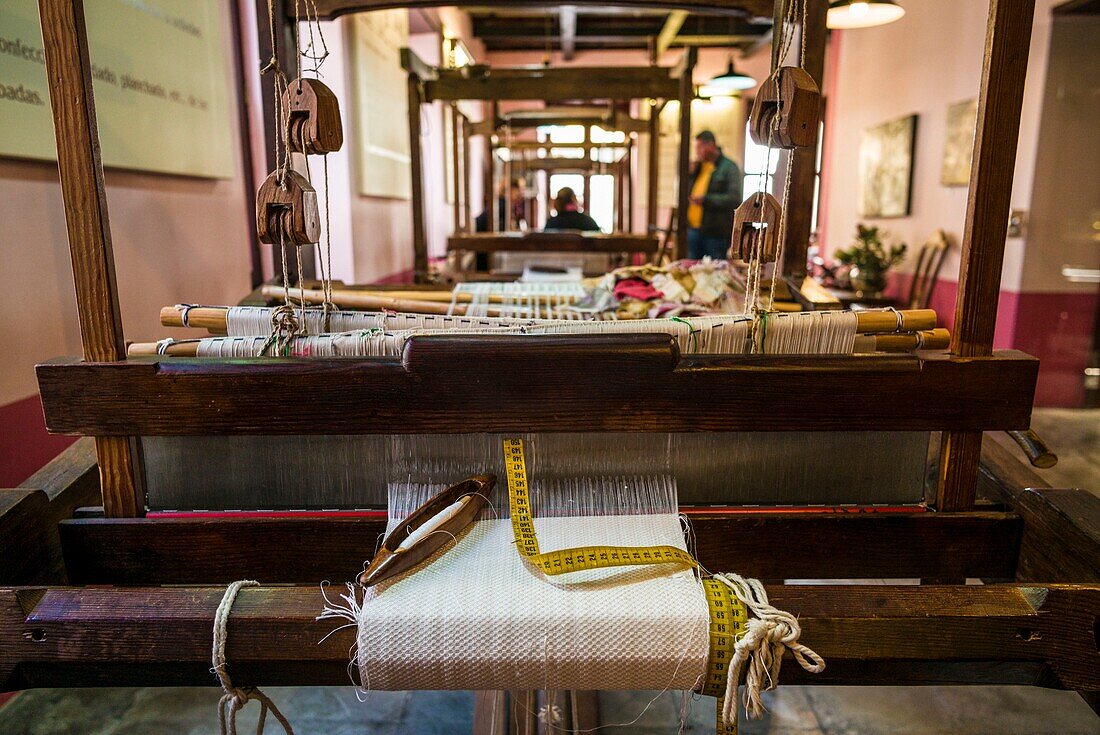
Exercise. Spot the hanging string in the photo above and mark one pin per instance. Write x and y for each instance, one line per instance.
(752, 286)
(235, 698)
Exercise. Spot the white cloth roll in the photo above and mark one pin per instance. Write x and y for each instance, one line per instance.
(476, 616)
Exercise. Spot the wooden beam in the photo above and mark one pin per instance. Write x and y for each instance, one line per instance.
(443, 380)
(281, 550)
(868, 634)
(567, 242)
(567, 23)
(329, 9)
(653, 156)
(65, 45)
(1061, 527)
(669, 30)
(1008, 36)
(686, 96)
(416, 162)
(803, 161)
(551, 84)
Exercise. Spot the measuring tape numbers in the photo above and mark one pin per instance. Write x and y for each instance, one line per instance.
(728, 615)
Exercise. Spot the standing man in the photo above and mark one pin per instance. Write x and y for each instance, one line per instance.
(715, 196)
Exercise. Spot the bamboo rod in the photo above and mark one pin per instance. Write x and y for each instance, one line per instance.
(934, 339)
(214, 317)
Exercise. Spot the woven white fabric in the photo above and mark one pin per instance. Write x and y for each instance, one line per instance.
(478, 617)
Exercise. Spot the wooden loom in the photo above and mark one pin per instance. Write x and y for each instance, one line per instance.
(119, 626)
(429, 84)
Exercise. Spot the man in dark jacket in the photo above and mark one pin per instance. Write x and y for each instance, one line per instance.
(715, 195)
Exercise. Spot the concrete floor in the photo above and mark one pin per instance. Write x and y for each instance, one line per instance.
(1074, 436)
(336, 711)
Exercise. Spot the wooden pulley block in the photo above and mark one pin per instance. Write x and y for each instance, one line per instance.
(757, 219)
(796, 105)
(313, 118)
(287, 211)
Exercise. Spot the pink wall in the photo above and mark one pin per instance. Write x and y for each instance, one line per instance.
(170, 234)
(929, 59)
(372, 236)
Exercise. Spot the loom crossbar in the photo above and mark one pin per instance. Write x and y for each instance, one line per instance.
(559, 383)
(204, 547)
(1036, 634)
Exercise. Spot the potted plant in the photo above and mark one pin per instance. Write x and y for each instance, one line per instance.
(869, 259)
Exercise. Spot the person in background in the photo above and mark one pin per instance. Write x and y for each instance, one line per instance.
(515, 198)
(568, 214)
(715, 196)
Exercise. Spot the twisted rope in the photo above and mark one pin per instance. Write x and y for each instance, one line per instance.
(762, 647)
(236, 698)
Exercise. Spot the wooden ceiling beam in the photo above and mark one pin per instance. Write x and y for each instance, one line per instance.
(670, 30)
(329, 9)
(567, 22)
(540, 83)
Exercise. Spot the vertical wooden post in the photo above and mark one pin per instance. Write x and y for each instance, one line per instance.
(1008, 36)
(803, 161)
(492, 201)
(456, 163)
(586, 194)
(416, 161)
(467, 220)
(687, 94)
(629, 184)
(65, 44)
(653, 156)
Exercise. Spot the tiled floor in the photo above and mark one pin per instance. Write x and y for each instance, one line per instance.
(336, 711)
(1074, 435)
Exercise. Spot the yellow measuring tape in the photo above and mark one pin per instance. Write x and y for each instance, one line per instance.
(728, 615)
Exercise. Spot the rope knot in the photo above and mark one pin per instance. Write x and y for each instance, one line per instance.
(767, 636)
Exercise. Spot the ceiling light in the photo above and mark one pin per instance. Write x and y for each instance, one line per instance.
(728, 82)
(862, 13)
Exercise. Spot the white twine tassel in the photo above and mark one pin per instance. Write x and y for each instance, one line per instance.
(767, 634)
(234, 699)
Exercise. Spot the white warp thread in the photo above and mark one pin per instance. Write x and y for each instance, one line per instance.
(255, 321)
(767, 635)
(814, 332)
(235, 698)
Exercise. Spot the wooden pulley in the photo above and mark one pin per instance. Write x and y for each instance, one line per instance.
(313, 118)
(796, 105)
(287, 211)
(756, 219)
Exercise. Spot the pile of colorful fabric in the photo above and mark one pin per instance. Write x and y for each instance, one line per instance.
(682, 288)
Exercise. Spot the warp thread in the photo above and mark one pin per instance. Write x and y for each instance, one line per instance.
(766, 635)
(235, 698)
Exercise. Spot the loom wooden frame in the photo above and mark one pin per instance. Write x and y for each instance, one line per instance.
(1040, 629)
(427, 84)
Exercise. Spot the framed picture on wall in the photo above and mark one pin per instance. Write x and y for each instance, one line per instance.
(886, 168)
(958, 144)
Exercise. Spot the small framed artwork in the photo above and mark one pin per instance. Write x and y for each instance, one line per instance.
(958, 144)
(886, 168)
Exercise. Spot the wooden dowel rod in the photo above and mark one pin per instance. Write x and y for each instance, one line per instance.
(214, 317)
(936, 339)
(912, 320)
(185, 348)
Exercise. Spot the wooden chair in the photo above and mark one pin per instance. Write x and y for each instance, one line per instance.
(668, 238)
(927, 272)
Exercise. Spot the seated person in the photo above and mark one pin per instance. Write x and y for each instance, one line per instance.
(568, 215)
(507, 195)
